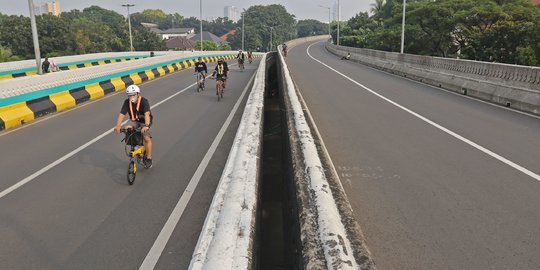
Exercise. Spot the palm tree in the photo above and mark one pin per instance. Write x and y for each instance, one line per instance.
(377, 7)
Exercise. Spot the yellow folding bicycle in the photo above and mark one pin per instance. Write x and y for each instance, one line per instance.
(135, 151)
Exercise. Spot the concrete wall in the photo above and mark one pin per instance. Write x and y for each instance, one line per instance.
(328, 235)
(508, 85)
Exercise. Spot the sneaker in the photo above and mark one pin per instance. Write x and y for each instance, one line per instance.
(148, 163)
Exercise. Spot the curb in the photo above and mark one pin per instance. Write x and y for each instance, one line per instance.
(10, 74)
(19, 113)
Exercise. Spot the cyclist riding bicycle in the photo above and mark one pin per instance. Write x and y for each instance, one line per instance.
(200, 68)
(241, 57)
(220, 72)
(141, 117)
(227, 68)
(250, 56)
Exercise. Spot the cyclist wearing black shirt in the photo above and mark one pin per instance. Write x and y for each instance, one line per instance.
(138, 109)
(241, 57)
(250, 56)
(200, 67)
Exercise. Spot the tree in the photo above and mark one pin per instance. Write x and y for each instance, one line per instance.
(6, 55)
(306, 28)
(258, 20)
(208, 45)
(377, 7)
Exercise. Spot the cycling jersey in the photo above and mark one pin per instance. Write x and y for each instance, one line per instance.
(200, 66)
(137, 110)
(221, 70)
(241, 56)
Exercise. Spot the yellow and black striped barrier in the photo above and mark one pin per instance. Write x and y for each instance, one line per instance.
(12, 115)
(32, 71)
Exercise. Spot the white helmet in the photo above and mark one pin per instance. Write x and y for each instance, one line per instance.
(132, 90)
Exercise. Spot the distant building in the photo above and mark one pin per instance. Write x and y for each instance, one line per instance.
(231, 12)
(180, 44)
(173, 32)
(52, 8)
(226, 36)
(206, 36)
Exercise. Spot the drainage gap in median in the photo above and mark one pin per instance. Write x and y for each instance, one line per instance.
(274, 249)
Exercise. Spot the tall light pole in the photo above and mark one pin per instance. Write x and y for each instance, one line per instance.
(271, 34)
(202, 46)
(338, 21)
(243, 18)
(329, 20)
(403, 26)
(129, 22)
(35, 36)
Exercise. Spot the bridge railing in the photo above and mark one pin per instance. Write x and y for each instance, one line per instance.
(508, 85)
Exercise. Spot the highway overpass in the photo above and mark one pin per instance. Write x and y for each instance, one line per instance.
(423, 178)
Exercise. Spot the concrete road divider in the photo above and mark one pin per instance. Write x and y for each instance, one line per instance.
(329, 236)
(227, 239)
(24, 99)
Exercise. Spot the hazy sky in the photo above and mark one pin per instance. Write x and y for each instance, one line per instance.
(303, 9)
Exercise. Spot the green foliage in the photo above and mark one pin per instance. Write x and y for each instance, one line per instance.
(6, 55)
(208, 45)
(307, 28)
(258, 20)
(487, 30)
(224, 46)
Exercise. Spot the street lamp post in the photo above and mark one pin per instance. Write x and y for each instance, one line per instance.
(243, 18)
(329, 19)
(35, 36)
(403, 26)
(202, 46)
(129, 22)
(338, 21)
(271, 34)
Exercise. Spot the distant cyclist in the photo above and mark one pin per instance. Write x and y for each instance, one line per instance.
(140, 115)
(241, 57)
(250, 56)
(284, 49)
(200, 68)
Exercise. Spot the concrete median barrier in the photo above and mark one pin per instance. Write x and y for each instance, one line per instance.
(228, 236)
(507, 85)
(329, 237)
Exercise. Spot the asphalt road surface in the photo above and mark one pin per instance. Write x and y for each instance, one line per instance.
(64, 199)
(436, 180)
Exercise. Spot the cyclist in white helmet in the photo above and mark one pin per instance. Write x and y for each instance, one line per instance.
(140, 115)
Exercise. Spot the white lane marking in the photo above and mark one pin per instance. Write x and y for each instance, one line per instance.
(72, 153)
(454, 93)
(455, 135)
(53, 115)
(165, 234)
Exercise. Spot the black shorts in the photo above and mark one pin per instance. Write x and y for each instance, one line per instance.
(221, 78)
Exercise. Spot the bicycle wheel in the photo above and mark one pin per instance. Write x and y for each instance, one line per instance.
(132, 172)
